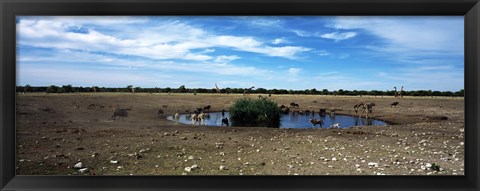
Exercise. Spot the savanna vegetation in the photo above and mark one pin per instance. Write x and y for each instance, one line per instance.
(255, 112)
(183, 89)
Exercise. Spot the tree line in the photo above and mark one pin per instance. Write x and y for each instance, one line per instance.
(183, 89)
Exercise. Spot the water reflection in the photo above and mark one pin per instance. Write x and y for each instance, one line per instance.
(290, 120)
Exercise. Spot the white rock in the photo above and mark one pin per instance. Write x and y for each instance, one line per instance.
(428, 165)
(78, 165)
(188, 169)
(357, 165)
(373, 164)
(223, 167)
(190, 158)
(334, 159)
(114, 161)
(83, 170)
(194, 166)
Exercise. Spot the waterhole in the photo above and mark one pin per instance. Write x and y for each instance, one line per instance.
(288, 120)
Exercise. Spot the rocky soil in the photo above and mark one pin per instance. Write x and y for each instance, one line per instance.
(72, 134)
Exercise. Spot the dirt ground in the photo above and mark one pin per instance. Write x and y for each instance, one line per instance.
(56, 131)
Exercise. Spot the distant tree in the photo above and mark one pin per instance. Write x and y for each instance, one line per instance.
(460, 93)
(128, 88)
(341, 92)
(52, 89)
(182, 89)
(325, 92)
(436, 93)
(138, 89)
(261, 90)
(67, 88)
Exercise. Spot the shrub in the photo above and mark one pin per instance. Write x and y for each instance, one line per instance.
(255, 112)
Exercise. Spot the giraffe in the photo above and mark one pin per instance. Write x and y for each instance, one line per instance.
(395, 93)
(25, 89)
(133, 89)
(367, 107)
(94, 89)
(401, 92)
(247, 90)
(218, 89)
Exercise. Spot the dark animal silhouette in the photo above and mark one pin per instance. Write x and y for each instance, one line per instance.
(225, 121)
(394, 104)
(322, 112)
(223, 112)
(121, 113)
(285, 110)
(198, 110)
(206, 108)
(160, 112)
(316, 121)
(294, 105)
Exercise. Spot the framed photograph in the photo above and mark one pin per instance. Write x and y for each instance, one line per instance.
(239, 95)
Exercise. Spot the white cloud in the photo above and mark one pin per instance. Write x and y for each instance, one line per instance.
(302, 33)
(224, 58)
(323, 53)
(279, 41)
(410, 34)
(264, 22)
(162, 40)
(294, 71)
(339, 36)
(293, 74)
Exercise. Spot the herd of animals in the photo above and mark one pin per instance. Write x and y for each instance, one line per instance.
(200, 114)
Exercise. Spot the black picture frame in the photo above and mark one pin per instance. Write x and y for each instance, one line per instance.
(9, 9)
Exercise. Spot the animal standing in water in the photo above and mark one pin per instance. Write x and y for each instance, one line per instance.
(316, 121)
(225, 121)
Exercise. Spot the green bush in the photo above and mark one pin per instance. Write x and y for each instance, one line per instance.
(255, 112)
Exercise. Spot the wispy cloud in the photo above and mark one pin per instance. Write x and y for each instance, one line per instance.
(224, 58)
(323, 52)
(337, 36)
(279, 41)
(293, 74)
(409, 34)
(270, 52)
(165, 40)
(302, 33)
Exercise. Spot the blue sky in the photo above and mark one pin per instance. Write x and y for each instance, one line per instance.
(294, 52)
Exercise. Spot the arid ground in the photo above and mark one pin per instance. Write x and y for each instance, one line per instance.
(57, 131)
